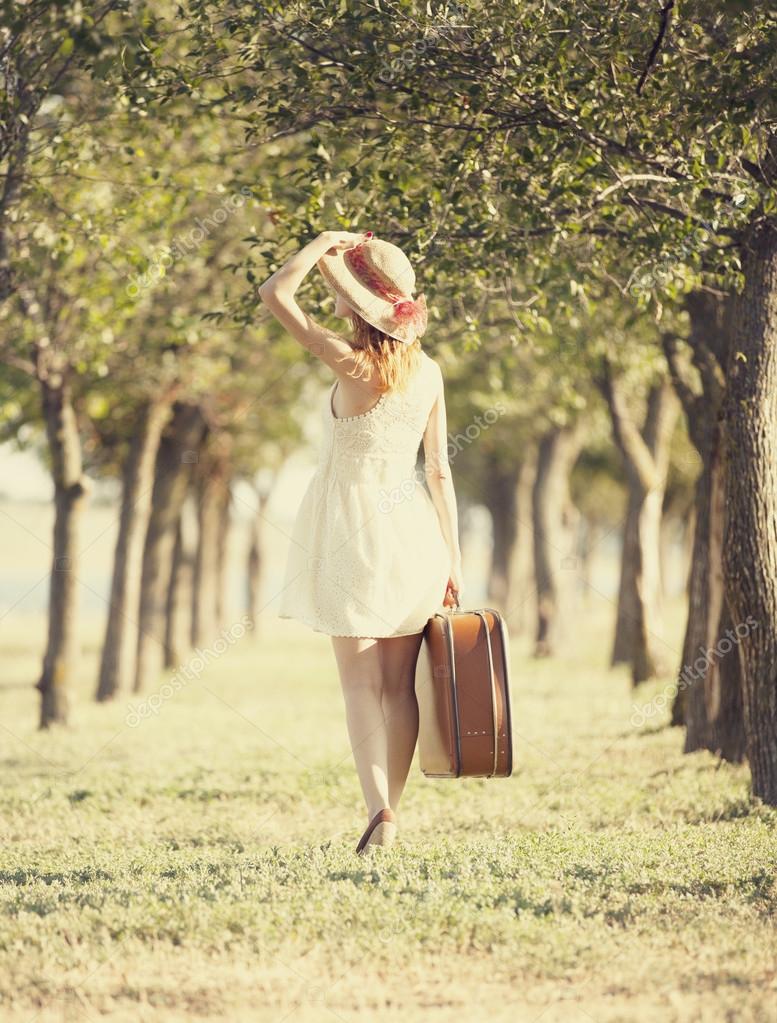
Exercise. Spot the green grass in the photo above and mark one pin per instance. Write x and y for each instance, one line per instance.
(201, 865)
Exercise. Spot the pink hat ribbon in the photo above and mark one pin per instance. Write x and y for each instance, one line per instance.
(407, 310)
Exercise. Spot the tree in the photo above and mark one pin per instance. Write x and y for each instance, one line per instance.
(60, 253)
(711, 714)
(750, 536)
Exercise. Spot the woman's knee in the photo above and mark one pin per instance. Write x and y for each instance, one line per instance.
(399, 685)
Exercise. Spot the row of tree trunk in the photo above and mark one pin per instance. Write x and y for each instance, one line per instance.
(727, 682)
(120, 645)
(537, 557)
(166, 596)
(727, 687)
(534, 528)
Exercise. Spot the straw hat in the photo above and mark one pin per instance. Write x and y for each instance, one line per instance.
(376, 280)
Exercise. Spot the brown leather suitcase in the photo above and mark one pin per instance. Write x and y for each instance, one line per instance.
(463, 692)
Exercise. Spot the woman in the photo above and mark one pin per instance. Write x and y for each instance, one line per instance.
(372, 558)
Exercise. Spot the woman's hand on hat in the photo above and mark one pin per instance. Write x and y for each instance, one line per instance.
(339, 240)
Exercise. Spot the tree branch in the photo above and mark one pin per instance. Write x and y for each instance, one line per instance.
(666, 16)
(626, 434)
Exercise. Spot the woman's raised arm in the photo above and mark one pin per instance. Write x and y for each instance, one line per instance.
(278, 291)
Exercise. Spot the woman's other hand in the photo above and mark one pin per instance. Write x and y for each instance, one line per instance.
(455, 587)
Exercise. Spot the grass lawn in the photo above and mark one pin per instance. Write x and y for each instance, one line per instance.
(200, 865)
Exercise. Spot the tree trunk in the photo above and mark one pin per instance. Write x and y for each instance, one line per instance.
(212, 509)
(256, 558)
(254, 574)
(554, 539)
(225, 523)
(177, 452)
(70, 489)
(121, 635)
(521, 610)
(508, 497)
(646, 457)
(705, 602)
(626, 614)
(649, 657)
(677, 717)
(724, 692)
(177, 625)
(750, 538)
(501, 498)
(708, 699)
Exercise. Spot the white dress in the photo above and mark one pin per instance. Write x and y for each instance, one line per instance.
(367, 555)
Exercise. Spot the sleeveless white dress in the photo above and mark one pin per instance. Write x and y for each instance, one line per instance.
(367, 555)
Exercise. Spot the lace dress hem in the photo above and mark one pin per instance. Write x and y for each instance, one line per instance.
(348, 635)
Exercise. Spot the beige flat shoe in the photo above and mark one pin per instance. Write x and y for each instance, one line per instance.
(381, 831)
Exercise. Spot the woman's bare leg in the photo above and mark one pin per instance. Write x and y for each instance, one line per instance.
(398, 657)
(359, 664)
